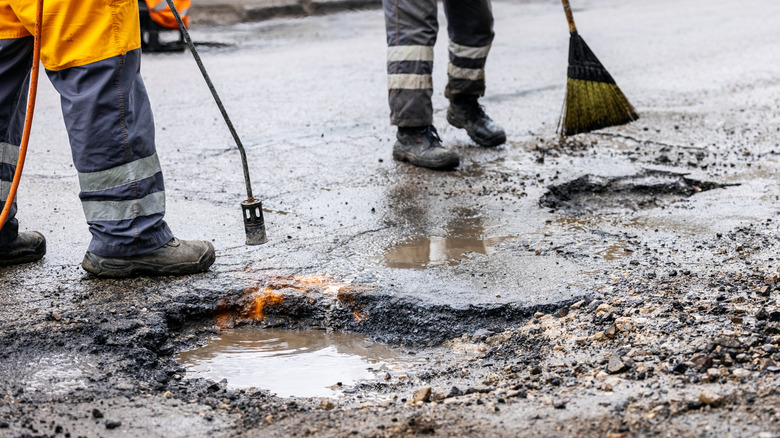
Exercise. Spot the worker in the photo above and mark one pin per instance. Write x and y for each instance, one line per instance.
(411, 27)
(156, 16)
(90, 49)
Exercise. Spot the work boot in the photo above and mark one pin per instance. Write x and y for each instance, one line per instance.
(28, 247)
(177, 257)
(422, 146)
(466, 113)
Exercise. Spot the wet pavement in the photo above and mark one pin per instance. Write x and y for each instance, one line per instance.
(308, 363)
(407, 256)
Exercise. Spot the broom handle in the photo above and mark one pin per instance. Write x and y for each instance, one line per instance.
(569, 16)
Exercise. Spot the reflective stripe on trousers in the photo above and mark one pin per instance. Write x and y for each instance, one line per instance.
(412, 27)
(111, 131)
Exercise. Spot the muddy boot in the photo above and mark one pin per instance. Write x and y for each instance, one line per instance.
(28, 247)
(177, 257)
(422, 146)
(468, 114)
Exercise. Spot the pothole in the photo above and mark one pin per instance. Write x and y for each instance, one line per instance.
(592, 194)
(321, 302)
(293, 363)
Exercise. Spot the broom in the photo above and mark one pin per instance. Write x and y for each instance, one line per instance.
(593, 99)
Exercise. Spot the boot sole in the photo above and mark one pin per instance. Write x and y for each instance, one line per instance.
(27, 258)
(117, 268)
(489, 142)
(436, 165)
(33, 255)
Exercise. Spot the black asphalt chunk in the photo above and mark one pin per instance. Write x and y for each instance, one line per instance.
(592, 194)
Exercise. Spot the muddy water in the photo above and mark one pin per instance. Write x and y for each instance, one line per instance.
(614, 251)
(465, 236)
(292, 363)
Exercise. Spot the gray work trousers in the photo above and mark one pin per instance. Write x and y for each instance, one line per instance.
(111, 131)
(412, 26)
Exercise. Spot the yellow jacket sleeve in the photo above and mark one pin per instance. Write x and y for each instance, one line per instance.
(75, 32)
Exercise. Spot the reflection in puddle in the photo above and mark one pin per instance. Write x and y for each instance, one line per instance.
(464, 237)
(290, 363)
(438, 251)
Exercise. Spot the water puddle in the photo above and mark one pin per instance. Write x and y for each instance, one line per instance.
(438, 251)
(615, 251)
(292, 363)
(465, 237)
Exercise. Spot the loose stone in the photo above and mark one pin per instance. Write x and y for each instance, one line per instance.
(615, 365)
(422, 394)
(711, 398)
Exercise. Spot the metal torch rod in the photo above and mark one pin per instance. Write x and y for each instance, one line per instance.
(216, 98)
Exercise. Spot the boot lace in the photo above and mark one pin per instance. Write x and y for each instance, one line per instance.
(430, 132)
(475, 111)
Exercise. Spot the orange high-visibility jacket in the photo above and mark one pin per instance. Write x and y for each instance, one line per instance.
(162, 14)
(75, 32)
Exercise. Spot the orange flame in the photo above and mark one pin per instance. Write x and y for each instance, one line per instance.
(256, 309)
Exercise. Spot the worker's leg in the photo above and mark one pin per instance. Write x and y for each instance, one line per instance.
(111, 131)
(106, 112)
(96, 70)
(412, 26)
(16, 53)
(15, 63)
(470, 28)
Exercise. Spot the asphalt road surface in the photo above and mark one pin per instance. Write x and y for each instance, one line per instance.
(407, 256)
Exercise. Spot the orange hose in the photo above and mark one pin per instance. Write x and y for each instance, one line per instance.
(28, 118)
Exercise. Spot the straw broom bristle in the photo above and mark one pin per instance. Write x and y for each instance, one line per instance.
(591, 105)
(593, 99)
